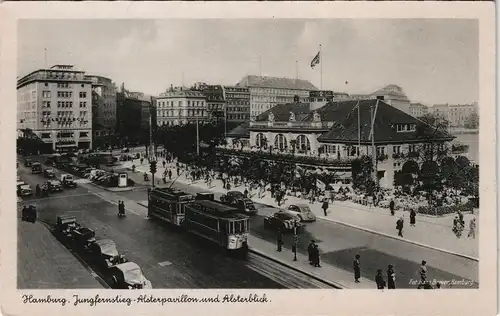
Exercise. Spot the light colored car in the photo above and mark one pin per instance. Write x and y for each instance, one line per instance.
(25, 190)
(302, 211)
(54, 185)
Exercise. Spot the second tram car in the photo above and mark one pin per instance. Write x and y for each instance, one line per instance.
(168, 204)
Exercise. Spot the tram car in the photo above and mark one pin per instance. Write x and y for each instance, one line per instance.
(201, 215)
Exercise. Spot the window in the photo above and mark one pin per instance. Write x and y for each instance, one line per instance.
(303, 144)
(189, 103)
(411, 148)
(380, 150)
(45, 135)
(396, 149)
(84, 134)
(83, 94)
(46, 94)
(261, 140)
(280, 142)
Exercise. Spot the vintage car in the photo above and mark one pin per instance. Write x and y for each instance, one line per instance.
(66, 223)
(68, 181)
(128, 275)
(54, 186)
(36, 168)
(49, 173)
(302, 211)
(238, 200)
(283, 221)
(81, 237)
(28, 214)
(104, 254)
(28, 162)
(24, 190)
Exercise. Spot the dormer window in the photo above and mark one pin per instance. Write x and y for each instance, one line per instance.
(402, 128)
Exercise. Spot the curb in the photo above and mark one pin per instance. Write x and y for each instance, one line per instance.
(309, 274)
(392, 236)
(401, 239)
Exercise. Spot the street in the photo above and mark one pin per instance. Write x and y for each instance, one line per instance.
(339, 244)
(168, 258)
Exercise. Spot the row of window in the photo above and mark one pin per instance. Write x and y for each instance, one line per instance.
(180, 103)
(239, 117)
(173, 113)
(64, 135)
(237, 109)
(63, 94)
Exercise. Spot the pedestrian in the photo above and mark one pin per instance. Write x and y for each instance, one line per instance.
(38, 191)
(379, 279)
(315, 255)
(391, 207)
(391, 277)
(472, 228)
(169, 174)
(461, 218)
(357, 268)
(399, 226)
(325, 206)
(279, 240)
(310, 249)
(119, 206)
(279, 196)
(142, 160)
(178, 171)
(413, 214)
(164, 163)
(423, 275)
(245, 193)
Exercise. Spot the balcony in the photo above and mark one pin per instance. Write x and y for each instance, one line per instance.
(291, 125)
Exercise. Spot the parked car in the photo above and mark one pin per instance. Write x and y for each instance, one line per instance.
(24, 190)
(49, 173)
(128, 275)
(28, 162)
(54, 186)
(104, 254)
(303, 212)
(36, 168)
(282, 220)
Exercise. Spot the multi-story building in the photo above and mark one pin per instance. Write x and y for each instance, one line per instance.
(179, 106)
(56, 104)
(216, 105)
(457, 114)
(267, 92)
(327, 136)
(237, 104)
(418, 109)
(394, 95)
(103, 110)
(134, 112)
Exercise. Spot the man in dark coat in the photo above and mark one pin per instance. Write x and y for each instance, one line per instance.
(169, 174)
(310, 249)
(245, 193)
(315, 256)
(423, 275)
(379, 279)
(357, 268)
(279, 240)
(391, 207)
(325, 206)
(391, 278)
(399, 226)
(413, 215)
(37, 190)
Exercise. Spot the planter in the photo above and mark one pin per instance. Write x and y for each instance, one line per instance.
(444, 210)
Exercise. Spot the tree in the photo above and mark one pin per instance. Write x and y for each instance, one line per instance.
(362, 169)
(472, 121)
(429, 176)
(433, 135)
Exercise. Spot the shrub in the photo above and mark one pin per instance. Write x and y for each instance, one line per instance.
(443, 210)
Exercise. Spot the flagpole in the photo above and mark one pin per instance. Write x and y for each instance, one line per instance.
(45, 58)
(359, 130)
(296, 70)
(321, 69)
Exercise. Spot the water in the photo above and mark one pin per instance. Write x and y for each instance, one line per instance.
(472, 140)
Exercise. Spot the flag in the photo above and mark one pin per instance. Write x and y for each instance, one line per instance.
(315, 60)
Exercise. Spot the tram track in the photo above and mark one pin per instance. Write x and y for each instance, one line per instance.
(285, 275)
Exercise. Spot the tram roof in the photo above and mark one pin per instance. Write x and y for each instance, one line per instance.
(218, 209)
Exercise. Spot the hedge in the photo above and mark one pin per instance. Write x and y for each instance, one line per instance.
(443, 210)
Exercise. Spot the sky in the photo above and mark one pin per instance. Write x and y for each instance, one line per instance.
(434, 60)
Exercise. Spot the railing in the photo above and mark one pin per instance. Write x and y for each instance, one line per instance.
(316, 125)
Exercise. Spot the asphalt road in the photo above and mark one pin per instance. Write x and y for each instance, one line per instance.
(339, 244)
(168, 258)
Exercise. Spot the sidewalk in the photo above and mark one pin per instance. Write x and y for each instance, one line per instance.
(43, 263)
(430, 232)
(327, 272)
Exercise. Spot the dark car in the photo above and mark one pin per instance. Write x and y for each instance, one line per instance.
(28, 162)
(282, 220)
(49, 173)
(238, 200)
(54, 186)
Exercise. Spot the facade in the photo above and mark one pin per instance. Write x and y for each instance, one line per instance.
(456, 115)
(237, 104)
(394, 95)
(179, 106)
(267, 92)
(104, 122)
(216, 105)
(330, 134)
(134, 112)
(56, 104)
(418, 109)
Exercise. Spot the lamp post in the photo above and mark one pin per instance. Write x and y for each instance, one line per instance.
(295, 241)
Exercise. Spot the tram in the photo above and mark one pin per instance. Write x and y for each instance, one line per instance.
(209, 219)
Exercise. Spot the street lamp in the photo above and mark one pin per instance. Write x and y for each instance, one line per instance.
(295, 241)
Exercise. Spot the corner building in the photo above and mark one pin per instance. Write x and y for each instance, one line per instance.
(56, 104)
